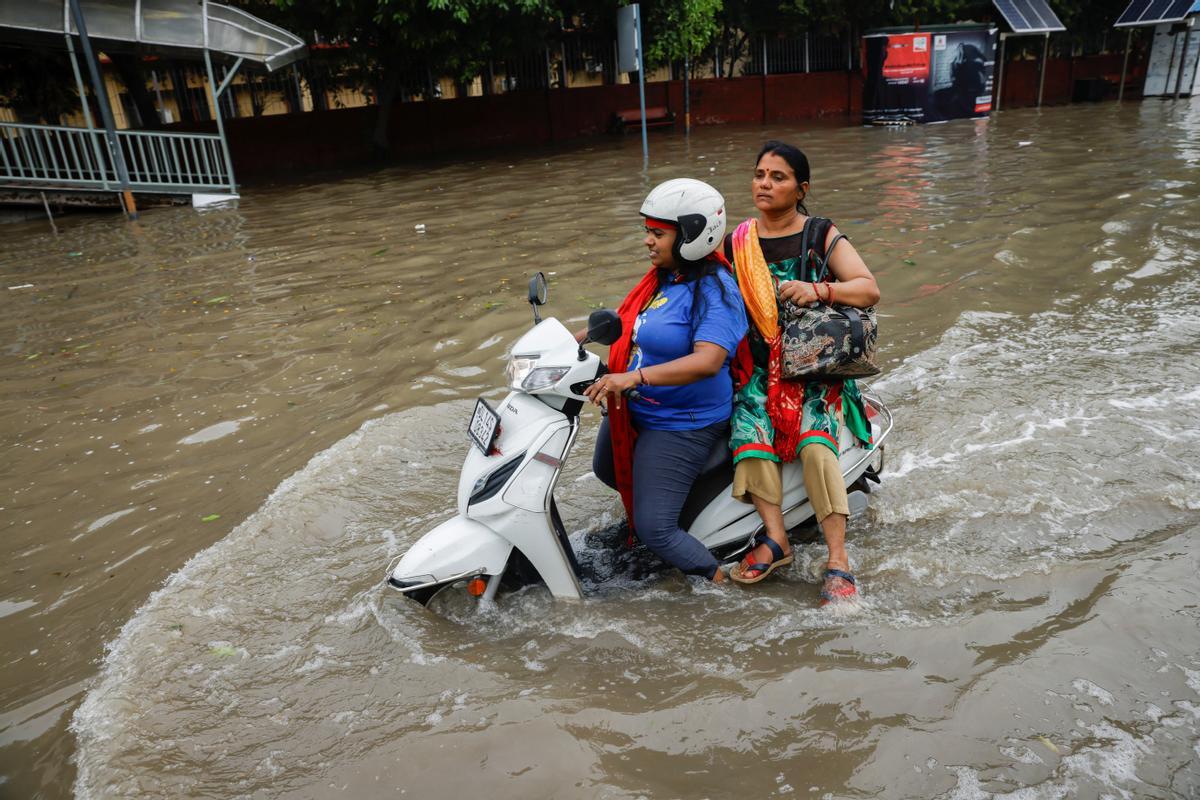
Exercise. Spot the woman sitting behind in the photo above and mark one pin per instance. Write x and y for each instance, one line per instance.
(681, 324)
(776, 420)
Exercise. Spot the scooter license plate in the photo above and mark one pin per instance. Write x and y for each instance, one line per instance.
(485, 422)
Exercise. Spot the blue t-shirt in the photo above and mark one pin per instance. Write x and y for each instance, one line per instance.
(666, 331)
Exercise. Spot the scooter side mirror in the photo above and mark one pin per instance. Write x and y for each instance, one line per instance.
(538, 289)
(604, 326)
(537, 295)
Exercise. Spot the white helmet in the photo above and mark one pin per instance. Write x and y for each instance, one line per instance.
(697, 208)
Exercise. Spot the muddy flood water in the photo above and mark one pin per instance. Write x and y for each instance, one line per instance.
(218, 428)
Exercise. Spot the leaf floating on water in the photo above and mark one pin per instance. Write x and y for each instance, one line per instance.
(32, 357)
(1051, 746)
(380, 251)
(75, 254)
(220, 299)
(223, 650)
(210, 517)
(910, 262)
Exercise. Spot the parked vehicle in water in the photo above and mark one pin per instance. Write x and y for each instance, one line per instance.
(508, 533)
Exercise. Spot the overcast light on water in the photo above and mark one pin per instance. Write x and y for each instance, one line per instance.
(220, 427)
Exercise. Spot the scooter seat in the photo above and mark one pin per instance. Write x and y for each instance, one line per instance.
(716, 476)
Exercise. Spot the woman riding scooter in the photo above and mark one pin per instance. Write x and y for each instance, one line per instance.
(681, 325)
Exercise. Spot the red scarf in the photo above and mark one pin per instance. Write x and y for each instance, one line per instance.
(620, 423)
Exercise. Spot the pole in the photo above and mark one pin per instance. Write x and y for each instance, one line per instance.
(87, 113)
(1170, 63)
(110, 128)
(1000, 71)
(1042, 71)
(637, 15)
(1187, 38)
(764, 81)
(214, 90)
(49, 216)
(296, 85)
(687, 97)
(1125, 64)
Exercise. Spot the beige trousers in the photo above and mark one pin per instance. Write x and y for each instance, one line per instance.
(822, 480)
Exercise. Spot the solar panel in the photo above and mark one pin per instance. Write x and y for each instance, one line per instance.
(1029, 16)
(1152, 12)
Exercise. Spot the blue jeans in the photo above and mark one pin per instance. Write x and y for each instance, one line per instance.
(665, 465)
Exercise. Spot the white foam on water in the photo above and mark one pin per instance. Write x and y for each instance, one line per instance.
(213, 432)
(10, 607)
(490, 342)
(109, 518)
(1102, 695)
(103, 713)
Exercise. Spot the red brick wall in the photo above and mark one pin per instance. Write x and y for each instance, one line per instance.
(1021, 78)
(294, 144)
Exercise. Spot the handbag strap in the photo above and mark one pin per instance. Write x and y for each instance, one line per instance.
(813, 228)
(858, 339)
(824, 273)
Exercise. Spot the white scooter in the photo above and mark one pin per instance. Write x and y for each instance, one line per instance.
(508, 529)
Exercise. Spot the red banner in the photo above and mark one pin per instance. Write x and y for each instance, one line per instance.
(907, 56)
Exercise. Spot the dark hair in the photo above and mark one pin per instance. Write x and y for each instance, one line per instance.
(695, 272)
(795, 158)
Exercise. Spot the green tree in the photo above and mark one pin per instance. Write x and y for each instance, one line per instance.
(680, 29)
(398, 46)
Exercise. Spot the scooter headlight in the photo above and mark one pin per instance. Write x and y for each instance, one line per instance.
(518, 369)
(524, 375)
(543, 378)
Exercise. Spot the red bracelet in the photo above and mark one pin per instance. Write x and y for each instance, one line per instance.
(829, 293)
(642, 378)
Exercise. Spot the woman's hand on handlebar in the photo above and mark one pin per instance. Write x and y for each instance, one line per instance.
(802, 293)
(611, 384)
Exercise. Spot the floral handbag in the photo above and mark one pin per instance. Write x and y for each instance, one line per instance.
(823, 340)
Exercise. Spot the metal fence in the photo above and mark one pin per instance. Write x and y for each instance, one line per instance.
(78, 158)
(178, 91)
(808, 53)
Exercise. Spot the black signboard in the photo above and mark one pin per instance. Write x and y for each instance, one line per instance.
(928, 76)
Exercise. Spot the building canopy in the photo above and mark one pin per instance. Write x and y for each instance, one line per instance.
(169, 24)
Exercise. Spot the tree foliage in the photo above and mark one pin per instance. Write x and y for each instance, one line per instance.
(682, 29)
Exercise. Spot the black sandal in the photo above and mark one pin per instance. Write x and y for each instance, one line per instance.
(778, 559)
